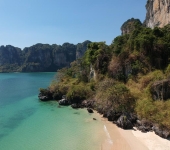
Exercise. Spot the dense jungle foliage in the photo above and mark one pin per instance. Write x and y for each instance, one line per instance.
(120, 75)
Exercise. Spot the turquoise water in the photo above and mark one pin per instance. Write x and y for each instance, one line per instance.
(29, 124)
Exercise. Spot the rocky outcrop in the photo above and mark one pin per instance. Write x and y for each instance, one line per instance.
(89, 110)
(64, 101)
(83, 104)
(147, 126)
(130, 25)
(161, 132)
(124, 121)
(43, 98)
(92, 73)
(144, 125)
(45, 95)
(158, 13)
(160, 90)
(112, 115)
(40, 57)
(75, 106)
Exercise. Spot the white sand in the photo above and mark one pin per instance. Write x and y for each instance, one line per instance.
(119, 139)
(152, 141)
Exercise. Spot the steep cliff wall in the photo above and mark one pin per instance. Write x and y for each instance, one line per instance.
(10, 58)
(9, 54)
(39, 57)
(158, 13)
(81, 48)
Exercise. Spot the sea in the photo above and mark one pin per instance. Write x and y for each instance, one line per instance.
(26, 123)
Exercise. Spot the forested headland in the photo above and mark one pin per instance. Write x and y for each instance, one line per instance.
(128, 81)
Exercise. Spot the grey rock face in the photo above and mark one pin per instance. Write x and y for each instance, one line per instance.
(158, 13)
(39, 57)
(161, 132)
(81, 48)
(124, 121)
(89, 110)
(64, 102)
(160, 90)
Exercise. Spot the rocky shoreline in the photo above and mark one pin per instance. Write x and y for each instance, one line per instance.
(124, 120)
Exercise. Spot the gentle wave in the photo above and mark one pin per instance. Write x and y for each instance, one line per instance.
(108, 135)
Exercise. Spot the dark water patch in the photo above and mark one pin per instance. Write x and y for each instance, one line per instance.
(59, 106)
(14, 121)
(2, 135)
(48, 103)
(17, 90)
(14, 90)
(76, 113)
(54, 104)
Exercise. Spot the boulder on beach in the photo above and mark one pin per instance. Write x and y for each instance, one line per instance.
(89, 110)
(88, 103)
(45, 95)
(161, 132)
(64, 102)
(124, 121)
(43, 98)
(144, 125)
(75, 106)
(112, 115)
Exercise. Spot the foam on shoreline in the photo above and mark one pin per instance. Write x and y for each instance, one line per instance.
(108, 136)
(120, 139)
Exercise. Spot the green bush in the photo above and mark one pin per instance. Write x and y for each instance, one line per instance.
(44, 91)
(77, 93)
(115, 95)
(167, 71)
(151, 77)
(154, 111)
(59, 89)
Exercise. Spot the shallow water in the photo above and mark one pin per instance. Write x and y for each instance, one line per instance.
(29, 124)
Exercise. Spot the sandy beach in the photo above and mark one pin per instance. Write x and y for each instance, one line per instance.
(119, 139)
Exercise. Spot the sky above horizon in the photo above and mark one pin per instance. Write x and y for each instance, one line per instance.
(24, 23)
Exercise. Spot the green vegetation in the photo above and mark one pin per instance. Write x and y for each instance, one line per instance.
(120, 76)
(115, 95)
(130, 25)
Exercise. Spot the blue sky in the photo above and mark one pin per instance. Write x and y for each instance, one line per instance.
(26, 22)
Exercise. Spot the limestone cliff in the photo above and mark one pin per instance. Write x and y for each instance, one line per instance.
(39, 57)
(81, 48)
(158, 13)
(10, 58)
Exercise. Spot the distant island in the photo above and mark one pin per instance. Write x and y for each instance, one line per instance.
(128, 81)
(40, 57)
